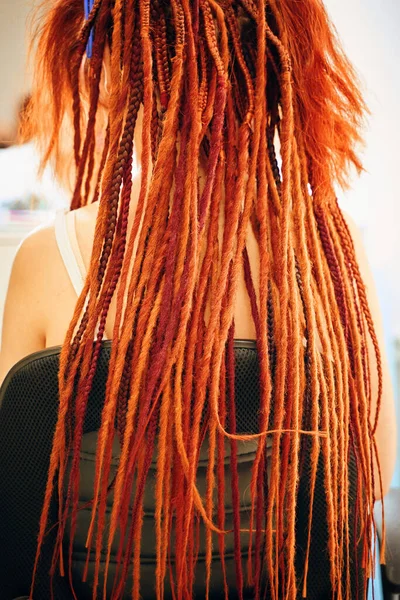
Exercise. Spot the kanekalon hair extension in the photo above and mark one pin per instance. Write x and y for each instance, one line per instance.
(271, 114)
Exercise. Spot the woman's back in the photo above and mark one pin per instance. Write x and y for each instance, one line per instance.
(54, 297)
(80, 227)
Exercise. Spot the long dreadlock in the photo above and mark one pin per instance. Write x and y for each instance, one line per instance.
(221, 83)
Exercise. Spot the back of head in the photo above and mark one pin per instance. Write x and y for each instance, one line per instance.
(226, 87)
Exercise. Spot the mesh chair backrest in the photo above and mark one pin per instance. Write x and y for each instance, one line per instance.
(28, 413)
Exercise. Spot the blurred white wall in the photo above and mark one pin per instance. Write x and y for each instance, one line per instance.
(15, 81)
(370, 33)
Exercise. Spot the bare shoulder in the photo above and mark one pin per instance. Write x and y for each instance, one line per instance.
(38, 263)
(366, 273)
(357, 238)
(27, 302)
(386, 433)
(32, 262)
(38, 247)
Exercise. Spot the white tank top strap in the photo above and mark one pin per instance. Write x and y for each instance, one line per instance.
(71, 228)
(68, 246)
(69, 249)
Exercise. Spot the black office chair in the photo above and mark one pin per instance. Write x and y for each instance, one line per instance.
(28, 412)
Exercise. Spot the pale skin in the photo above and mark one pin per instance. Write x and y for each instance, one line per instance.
(41, 300)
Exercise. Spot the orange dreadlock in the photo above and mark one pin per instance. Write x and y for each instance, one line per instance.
(226, 79)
